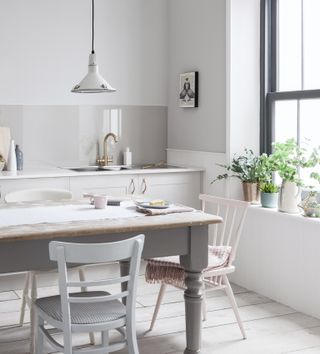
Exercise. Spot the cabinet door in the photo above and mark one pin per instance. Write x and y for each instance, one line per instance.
(181, 188)
(12, 185)
(110, 185)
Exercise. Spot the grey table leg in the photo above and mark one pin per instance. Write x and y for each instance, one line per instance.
(194, 263)
(124, 271)
(193, 304)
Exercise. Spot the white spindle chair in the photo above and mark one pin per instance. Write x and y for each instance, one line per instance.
(226, 234)
(30, 289)
(91, 311)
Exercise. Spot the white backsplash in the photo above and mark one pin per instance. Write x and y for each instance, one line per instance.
(66, 135)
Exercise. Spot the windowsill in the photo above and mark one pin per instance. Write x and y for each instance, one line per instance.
(280, 214)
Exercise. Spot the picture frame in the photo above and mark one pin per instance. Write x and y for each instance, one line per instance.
(188, 89)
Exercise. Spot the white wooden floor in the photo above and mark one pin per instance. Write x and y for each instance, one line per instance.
(272, 328)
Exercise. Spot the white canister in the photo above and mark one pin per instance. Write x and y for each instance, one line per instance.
(12, 159)
(127, 157)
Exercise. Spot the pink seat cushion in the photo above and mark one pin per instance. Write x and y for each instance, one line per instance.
(169, 271)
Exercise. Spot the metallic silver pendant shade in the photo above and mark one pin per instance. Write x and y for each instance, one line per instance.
(93, 82)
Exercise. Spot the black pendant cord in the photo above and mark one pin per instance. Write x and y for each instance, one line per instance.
(92, 26)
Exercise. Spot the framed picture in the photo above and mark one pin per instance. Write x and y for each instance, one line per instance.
(188, 94)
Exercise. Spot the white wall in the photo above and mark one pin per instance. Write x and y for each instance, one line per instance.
(278, 257)
(68, 135)
(45, 47)
(197, 43)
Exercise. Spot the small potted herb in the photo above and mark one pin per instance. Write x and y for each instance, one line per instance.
(245, 168)
(269, 195)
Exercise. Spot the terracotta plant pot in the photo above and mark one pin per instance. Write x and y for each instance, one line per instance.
(251, 192)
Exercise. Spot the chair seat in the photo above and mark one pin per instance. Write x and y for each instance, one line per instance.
(169, 271)
(84, 313)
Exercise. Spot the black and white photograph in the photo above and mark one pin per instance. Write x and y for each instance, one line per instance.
(188, 94)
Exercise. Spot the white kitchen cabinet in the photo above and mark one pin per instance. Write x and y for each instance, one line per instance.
(181, 188)
(11, 185)
(114, 185)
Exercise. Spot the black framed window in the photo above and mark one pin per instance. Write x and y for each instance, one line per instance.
(290, 72)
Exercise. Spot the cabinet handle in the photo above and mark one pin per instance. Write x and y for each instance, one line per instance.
(144, 184)
(132, 186)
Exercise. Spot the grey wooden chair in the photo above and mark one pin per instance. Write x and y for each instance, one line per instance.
(91, 311)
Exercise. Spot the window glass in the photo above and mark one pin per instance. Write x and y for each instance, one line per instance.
(309, 132)
(289, 45)
(286, 120)
(311, 34)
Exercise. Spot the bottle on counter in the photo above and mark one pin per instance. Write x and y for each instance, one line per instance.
(19, 157)
(12, 160)
(127, 157)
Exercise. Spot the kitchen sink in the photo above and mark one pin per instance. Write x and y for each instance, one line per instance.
(118, 167)
(98, 168)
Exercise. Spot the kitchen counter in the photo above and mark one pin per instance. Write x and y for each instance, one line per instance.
(54, 172)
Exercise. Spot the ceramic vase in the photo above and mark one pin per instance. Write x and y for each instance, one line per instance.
(12, 160)
(290, 197)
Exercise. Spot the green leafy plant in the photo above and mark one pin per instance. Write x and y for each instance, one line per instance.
(288, 157)
(265, 169)
(269, 188)
(244, 167)
(2, 159)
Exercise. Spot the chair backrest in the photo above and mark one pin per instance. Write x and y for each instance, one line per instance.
(233, 213)
(78, 253)
(36, 195)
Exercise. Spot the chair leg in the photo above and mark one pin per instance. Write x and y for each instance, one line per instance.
(34, 295)
(158, 304)
(39, 338)
(82, 277)
(132, 337)
(105, 339)
(204, 303)
(24, 299)
(234, 305)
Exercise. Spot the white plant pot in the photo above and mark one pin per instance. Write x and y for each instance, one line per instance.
(290, 197)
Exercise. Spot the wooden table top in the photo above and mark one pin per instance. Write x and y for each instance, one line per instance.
(102, 226)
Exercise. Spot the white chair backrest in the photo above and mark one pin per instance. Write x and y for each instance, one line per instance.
(78, 253)
(36, 195)
(233, 213)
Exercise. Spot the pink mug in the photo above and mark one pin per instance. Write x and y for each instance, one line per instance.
(100, 201)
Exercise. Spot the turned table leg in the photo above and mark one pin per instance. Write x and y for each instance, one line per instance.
(193, 304)
(194, 262)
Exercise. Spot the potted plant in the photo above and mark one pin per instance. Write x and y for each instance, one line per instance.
(2, 162)
(310, 205)
(287, 158)
(245, 168)
(269, 195)
(269, 190)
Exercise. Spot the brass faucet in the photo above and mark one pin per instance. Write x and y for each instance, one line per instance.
(106, 158)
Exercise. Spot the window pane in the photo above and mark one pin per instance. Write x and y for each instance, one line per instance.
(311, 28)
(285, 120)
(289, 45)
(309, 131)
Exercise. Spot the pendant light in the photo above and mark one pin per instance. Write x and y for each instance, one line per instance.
(93, 82)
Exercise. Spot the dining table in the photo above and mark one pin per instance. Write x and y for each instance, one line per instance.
(27, 228)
